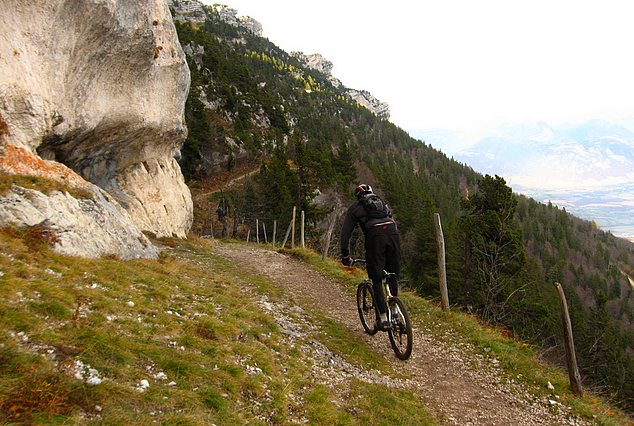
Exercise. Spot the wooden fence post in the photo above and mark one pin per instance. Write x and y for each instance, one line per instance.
(571, 357)
(302, 230)
(293, 228)
(257, 231)
(331, 227)
(288, 231)
(442, 269)
(266, 239)
(274, 231)
(248, 235)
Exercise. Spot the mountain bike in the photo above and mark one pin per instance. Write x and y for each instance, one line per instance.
(400, 326)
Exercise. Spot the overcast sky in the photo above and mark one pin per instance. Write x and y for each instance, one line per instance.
(467, 65)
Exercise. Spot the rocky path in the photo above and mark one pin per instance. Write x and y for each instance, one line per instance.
(458, 385)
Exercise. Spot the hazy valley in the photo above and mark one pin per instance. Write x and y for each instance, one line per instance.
(612, 208)
(586, 169)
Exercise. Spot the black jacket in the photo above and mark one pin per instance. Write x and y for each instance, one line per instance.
(356, 215)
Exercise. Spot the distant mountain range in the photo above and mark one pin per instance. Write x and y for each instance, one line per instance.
(588, 168)
(596, 154)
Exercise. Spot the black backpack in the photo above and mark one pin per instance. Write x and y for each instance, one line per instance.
(374, 206)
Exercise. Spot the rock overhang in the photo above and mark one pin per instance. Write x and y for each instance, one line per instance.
(100, 87)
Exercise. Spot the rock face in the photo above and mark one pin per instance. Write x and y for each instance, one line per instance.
(99, 86)
(188, 10)
(315, 61)
(230, 16)
(84, 227)
(366, 99)
(195, 11)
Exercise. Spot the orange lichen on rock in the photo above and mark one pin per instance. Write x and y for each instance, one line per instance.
(4, 128)
(20, 161)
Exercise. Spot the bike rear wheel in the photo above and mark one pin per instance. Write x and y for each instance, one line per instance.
(400, 331)
(366, 307)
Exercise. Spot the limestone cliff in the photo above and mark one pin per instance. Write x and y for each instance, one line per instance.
(195, 11)
(367, 99)
(98, 86)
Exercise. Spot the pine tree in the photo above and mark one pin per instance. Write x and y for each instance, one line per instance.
(344, 165)
(493, 249)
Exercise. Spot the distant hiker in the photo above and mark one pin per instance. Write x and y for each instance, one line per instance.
(222, 211)
(382, 243)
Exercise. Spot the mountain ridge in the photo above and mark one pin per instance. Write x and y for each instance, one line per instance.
(196, 11)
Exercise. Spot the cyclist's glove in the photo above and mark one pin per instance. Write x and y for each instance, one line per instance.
(346, 260)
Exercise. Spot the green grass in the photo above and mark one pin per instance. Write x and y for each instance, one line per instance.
(407, 413)
(193, 317)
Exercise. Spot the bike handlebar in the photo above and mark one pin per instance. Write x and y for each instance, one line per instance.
(355, 261)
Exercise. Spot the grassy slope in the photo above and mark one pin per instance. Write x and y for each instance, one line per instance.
(195, 319)
(187, 323)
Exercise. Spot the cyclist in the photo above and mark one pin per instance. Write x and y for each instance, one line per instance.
(382, 243)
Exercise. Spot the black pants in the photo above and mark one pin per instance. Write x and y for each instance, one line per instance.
(382, 253)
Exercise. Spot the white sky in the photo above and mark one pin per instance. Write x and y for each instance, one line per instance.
(464, 64)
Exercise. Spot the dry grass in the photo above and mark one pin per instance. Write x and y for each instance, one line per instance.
(35, 237)
(44, 185)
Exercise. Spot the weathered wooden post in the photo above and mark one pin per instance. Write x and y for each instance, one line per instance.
(274, 231)
(288, 231)
(442, 269)
(257, 231)
(293, 227)
(571, 357)
(266, 238)
(248, 235)
(331, 227)
(303, 240)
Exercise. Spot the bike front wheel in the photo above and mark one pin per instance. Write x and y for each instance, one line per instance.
(366, 307)
(400, 330)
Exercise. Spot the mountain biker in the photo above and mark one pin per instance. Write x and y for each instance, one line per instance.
(382, 243)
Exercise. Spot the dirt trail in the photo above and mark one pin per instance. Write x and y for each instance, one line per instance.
(228, 183)
(458, 385)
